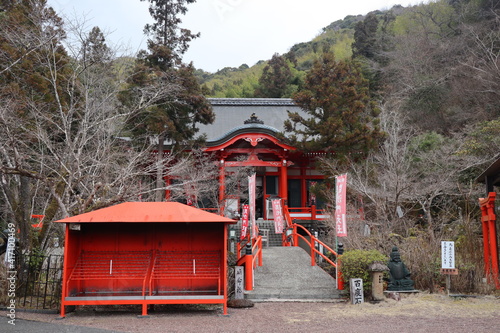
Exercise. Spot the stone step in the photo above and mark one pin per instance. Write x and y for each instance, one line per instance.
(287, 274)
(274, 238)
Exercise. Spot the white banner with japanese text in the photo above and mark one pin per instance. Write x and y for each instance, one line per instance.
(278, 216)
(340, 205)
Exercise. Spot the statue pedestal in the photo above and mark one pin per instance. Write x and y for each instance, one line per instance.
(398, 295)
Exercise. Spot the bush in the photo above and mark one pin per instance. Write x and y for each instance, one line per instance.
(355, 263)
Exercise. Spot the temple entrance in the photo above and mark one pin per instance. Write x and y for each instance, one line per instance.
(294, 193)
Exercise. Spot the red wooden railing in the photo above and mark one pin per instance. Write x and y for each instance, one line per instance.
(252, 257)
(307, 213)
(253, 246)
(291, 237)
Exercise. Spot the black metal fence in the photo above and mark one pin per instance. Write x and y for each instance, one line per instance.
(39, 282)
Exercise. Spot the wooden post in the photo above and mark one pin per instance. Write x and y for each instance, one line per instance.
(313, 253)
(65, 272)
(259, 247)
(222, 185)
(248, 272)
(283, 188)
(224, 270)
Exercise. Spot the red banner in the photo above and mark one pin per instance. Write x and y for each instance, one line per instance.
(278, 216)
(244, 221)
(340, 205)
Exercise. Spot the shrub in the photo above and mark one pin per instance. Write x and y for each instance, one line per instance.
(355, 263)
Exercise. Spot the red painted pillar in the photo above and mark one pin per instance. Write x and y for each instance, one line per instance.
(65, 271)
(222, 185)
(340, 278)
(283, 189)
(167, 191)
(303, 187)
(248, 272)
(224, 271)
(295, 236)
(488, 220)
(486, 244)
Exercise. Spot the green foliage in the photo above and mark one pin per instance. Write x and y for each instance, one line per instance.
(232, 82)
(349, 22)
(355, 263)
(427, 142)
(435, 19)
(365, 36)
(180, 104)
(483, 140)
(341, 117)
(275, 78)
(168, 39)
(244, 81)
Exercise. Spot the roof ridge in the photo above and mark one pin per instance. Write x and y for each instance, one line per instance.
(251, 101)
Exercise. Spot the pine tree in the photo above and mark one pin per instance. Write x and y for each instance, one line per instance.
(341, 117)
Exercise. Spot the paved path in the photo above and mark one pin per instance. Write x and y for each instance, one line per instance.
(25, 326)
(413, 314)
(287, 274)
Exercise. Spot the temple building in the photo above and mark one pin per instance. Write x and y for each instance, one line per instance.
(245, 134)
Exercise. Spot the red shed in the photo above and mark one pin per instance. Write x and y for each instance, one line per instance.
(145, 253)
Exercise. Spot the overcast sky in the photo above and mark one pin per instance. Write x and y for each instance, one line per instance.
(233, 32)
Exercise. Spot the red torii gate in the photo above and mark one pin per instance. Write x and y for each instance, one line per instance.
(276, 150)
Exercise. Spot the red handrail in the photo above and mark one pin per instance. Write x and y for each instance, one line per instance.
(249, 261)
(292, 239)
(311, 212)
(311, 244)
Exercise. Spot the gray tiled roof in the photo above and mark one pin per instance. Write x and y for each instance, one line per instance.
(231, 113)
(251, 101)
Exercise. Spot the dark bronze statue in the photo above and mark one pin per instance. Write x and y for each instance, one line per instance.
(399, 275)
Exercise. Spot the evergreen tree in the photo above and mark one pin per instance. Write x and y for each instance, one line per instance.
(275, 78)
(169, 42)
(365, 37)
(160, 76)
(95, 49)
(181, 104)
(341, 116)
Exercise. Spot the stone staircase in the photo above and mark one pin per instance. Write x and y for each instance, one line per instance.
(274, 238)
(287, 274)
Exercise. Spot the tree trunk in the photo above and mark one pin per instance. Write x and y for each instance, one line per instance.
(22, 214)
(159, 170)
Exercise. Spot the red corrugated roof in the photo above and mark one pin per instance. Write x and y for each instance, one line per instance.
(148, 212)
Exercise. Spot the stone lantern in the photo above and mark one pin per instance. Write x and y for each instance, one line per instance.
(377, 270)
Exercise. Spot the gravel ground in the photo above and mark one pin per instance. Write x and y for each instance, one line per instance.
(416, 313)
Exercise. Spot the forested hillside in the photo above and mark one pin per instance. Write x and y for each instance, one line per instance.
(244, 81)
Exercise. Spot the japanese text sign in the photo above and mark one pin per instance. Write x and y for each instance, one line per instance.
(447, 254)
(340, 205)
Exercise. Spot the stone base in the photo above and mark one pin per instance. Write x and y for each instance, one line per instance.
(240, 303)
(398, 294)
